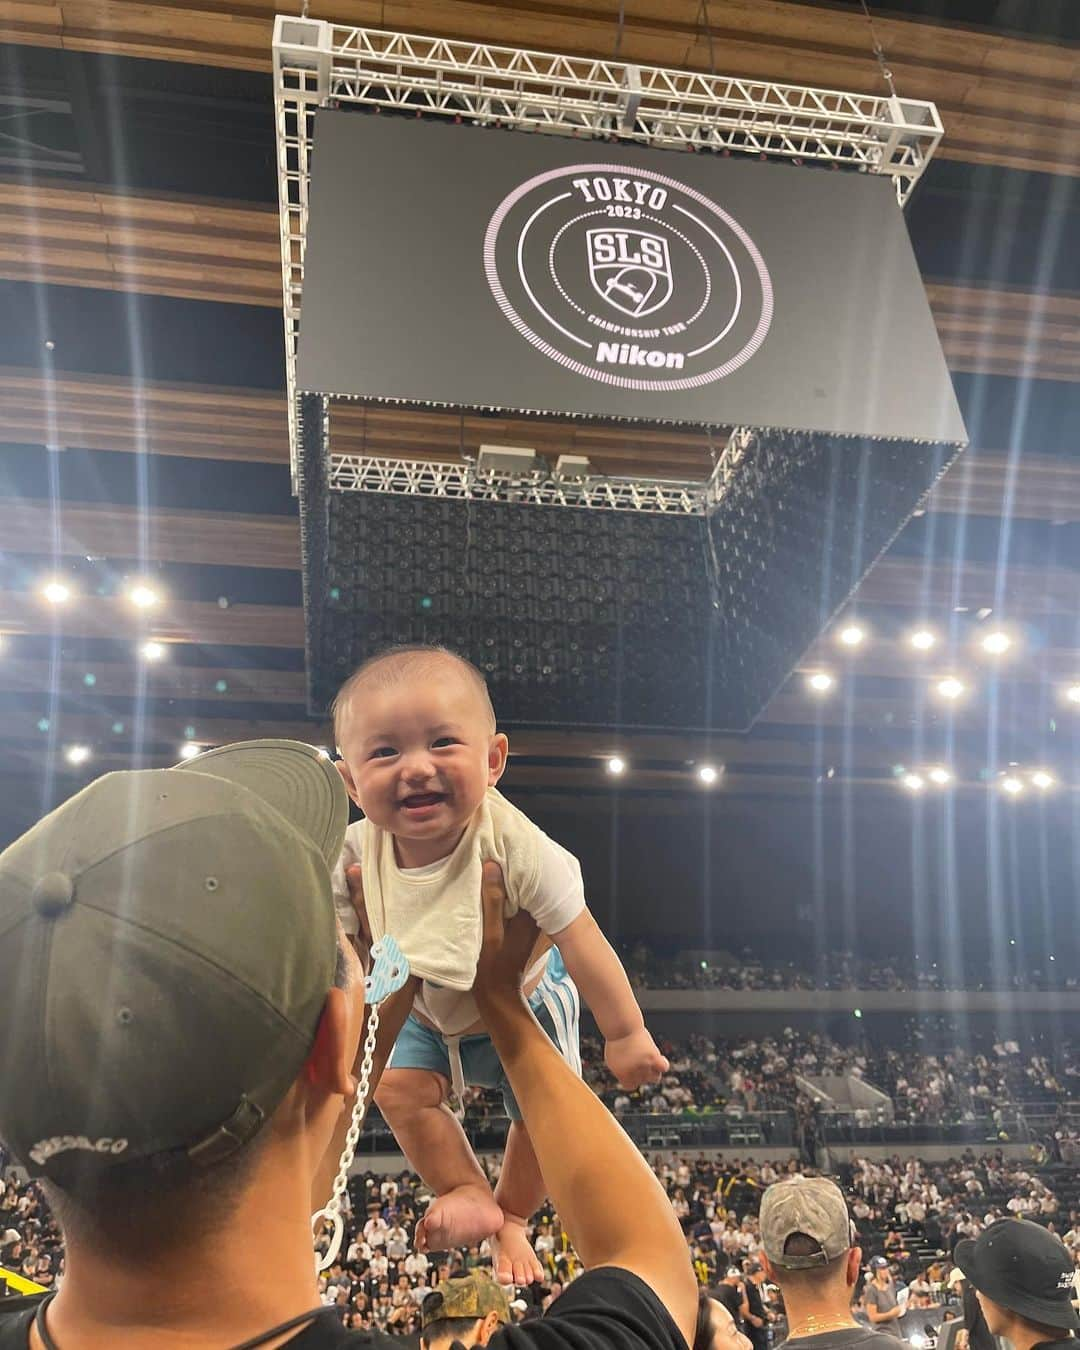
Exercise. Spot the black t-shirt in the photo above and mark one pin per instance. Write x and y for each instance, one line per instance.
(605, 1308)
(853, 1338)
(729, 1296)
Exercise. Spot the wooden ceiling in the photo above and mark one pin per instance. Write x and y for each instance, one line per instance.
(1004, 100)
(1008, 103)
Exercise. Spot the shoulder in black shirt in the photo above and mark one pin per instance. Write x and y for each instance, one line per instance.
(605, 1309)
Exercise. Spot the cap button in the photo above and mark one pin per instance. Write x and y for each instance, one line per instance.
(53, 894)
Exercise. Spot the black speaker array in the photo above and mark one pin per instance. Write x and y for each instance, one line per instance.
(603, 618)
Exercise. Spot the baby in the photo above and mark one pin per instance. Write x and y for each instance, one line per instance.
(421, 756)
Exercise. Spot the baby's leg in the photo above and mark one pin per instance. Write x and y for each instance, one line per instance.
(464, 1211)
(519, 1194)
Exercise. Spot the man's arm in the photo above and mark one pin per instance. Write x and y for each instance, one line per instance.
(875, 1314)
(612, 1206)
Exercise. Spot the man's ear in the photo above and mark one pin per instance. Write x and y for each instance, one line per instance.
(329, 1062)
(347, 779)
(487, 1328)
(854, 1266)
(498, 750)
(767, 1266)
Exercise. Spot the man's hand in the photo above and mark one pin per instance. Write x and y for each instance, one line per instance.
(354, 876)
(506, 949)
(635, 1059)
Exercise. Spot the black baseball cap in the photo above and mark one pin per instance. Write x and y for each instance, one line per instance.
(167, 943)
(1023, 1268)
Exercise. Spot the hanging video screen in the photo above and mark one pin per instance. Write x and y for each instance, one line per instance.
(481, 268)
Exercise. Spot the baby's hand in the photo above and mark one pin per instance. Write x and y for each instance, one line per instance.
(635, 1059)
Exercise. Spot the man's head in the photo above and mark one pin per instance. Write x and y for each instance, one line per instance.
(879, 1270)
(732, 1276)
(806, 1237)
(178, 1001)
(1021, 1274)
(417, 736)
(467, 1310)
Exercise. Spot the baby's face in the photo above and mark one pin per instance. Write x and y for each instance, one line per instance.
(421, 755)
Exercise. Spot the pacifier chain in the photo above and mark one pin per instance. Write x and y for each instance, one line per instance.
(389, 971)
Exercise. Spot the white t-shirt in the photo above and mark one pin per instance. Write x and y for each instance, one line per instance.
(559, 900)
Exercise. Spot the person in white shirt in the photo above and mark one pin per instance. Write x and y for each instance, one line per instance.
(416, 1265)
(421, 755)
(375, 1231)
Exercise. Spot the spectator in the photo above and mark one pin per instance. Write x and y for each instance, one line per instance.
(464, 1312)
(883, 1306)
(1025, 1282)
(806, 1237)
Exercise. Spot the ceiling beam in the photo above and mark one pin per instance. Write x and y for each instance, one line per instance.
(74, 236)
(1003, 100)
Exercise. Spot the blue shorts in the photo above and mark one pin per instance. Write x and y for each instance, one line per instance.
(556, 1005)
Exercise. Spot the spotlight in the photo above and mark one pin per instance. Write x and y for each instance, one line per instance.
(852, 635)
(821, 683)
(77, 754)
(922, 639)
(996, 643)
(950, 687)
(1073, 693)
(707, 774)
(1012, 785)
(152, 651)
(939, 776)
(914, 782)
(56, 592)
(143, 596)
(189, 750)
(616, 765)
(1042, 780)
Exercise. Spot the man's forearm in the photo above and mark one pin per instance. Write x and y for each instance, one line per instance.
(613, 1207)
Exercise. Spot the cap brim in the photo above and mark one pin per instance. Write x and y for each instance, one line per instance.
(295, 778)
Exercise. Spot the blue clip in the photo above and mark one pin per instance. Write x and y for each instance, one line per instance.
(389, 971)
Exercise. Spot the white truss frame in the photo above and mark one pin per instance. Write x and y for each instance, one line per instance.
(464, 482)
(316, 62)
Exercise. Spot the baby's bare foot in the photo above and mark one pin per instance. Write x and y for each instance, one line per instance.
(460, 1218)
(512, 1256)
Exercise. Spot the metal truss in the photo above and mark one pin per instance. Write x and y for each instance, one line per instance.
(316, 62)
(464, 482)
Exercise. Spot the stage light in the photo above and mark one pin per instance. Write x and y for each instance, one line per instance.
(821, 683)
(858, 1014)
(922, 639)
(1043, 780)
(852, 635)
(996, 643)
(950, 687)
(189, 750)
(616, 765)
(707, 774)
(152, 651)
(1012, 785)
(914, 782)
(1073, 693)
(939, 775)
(77, 754)
(143, 596)
(56, 592)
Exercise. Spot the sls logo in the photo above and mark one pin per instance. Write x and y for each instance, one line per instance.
(628, 277)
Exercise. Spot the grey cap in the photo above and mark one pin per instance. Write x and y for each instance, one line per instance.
(167, 942)
(813, 1206)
